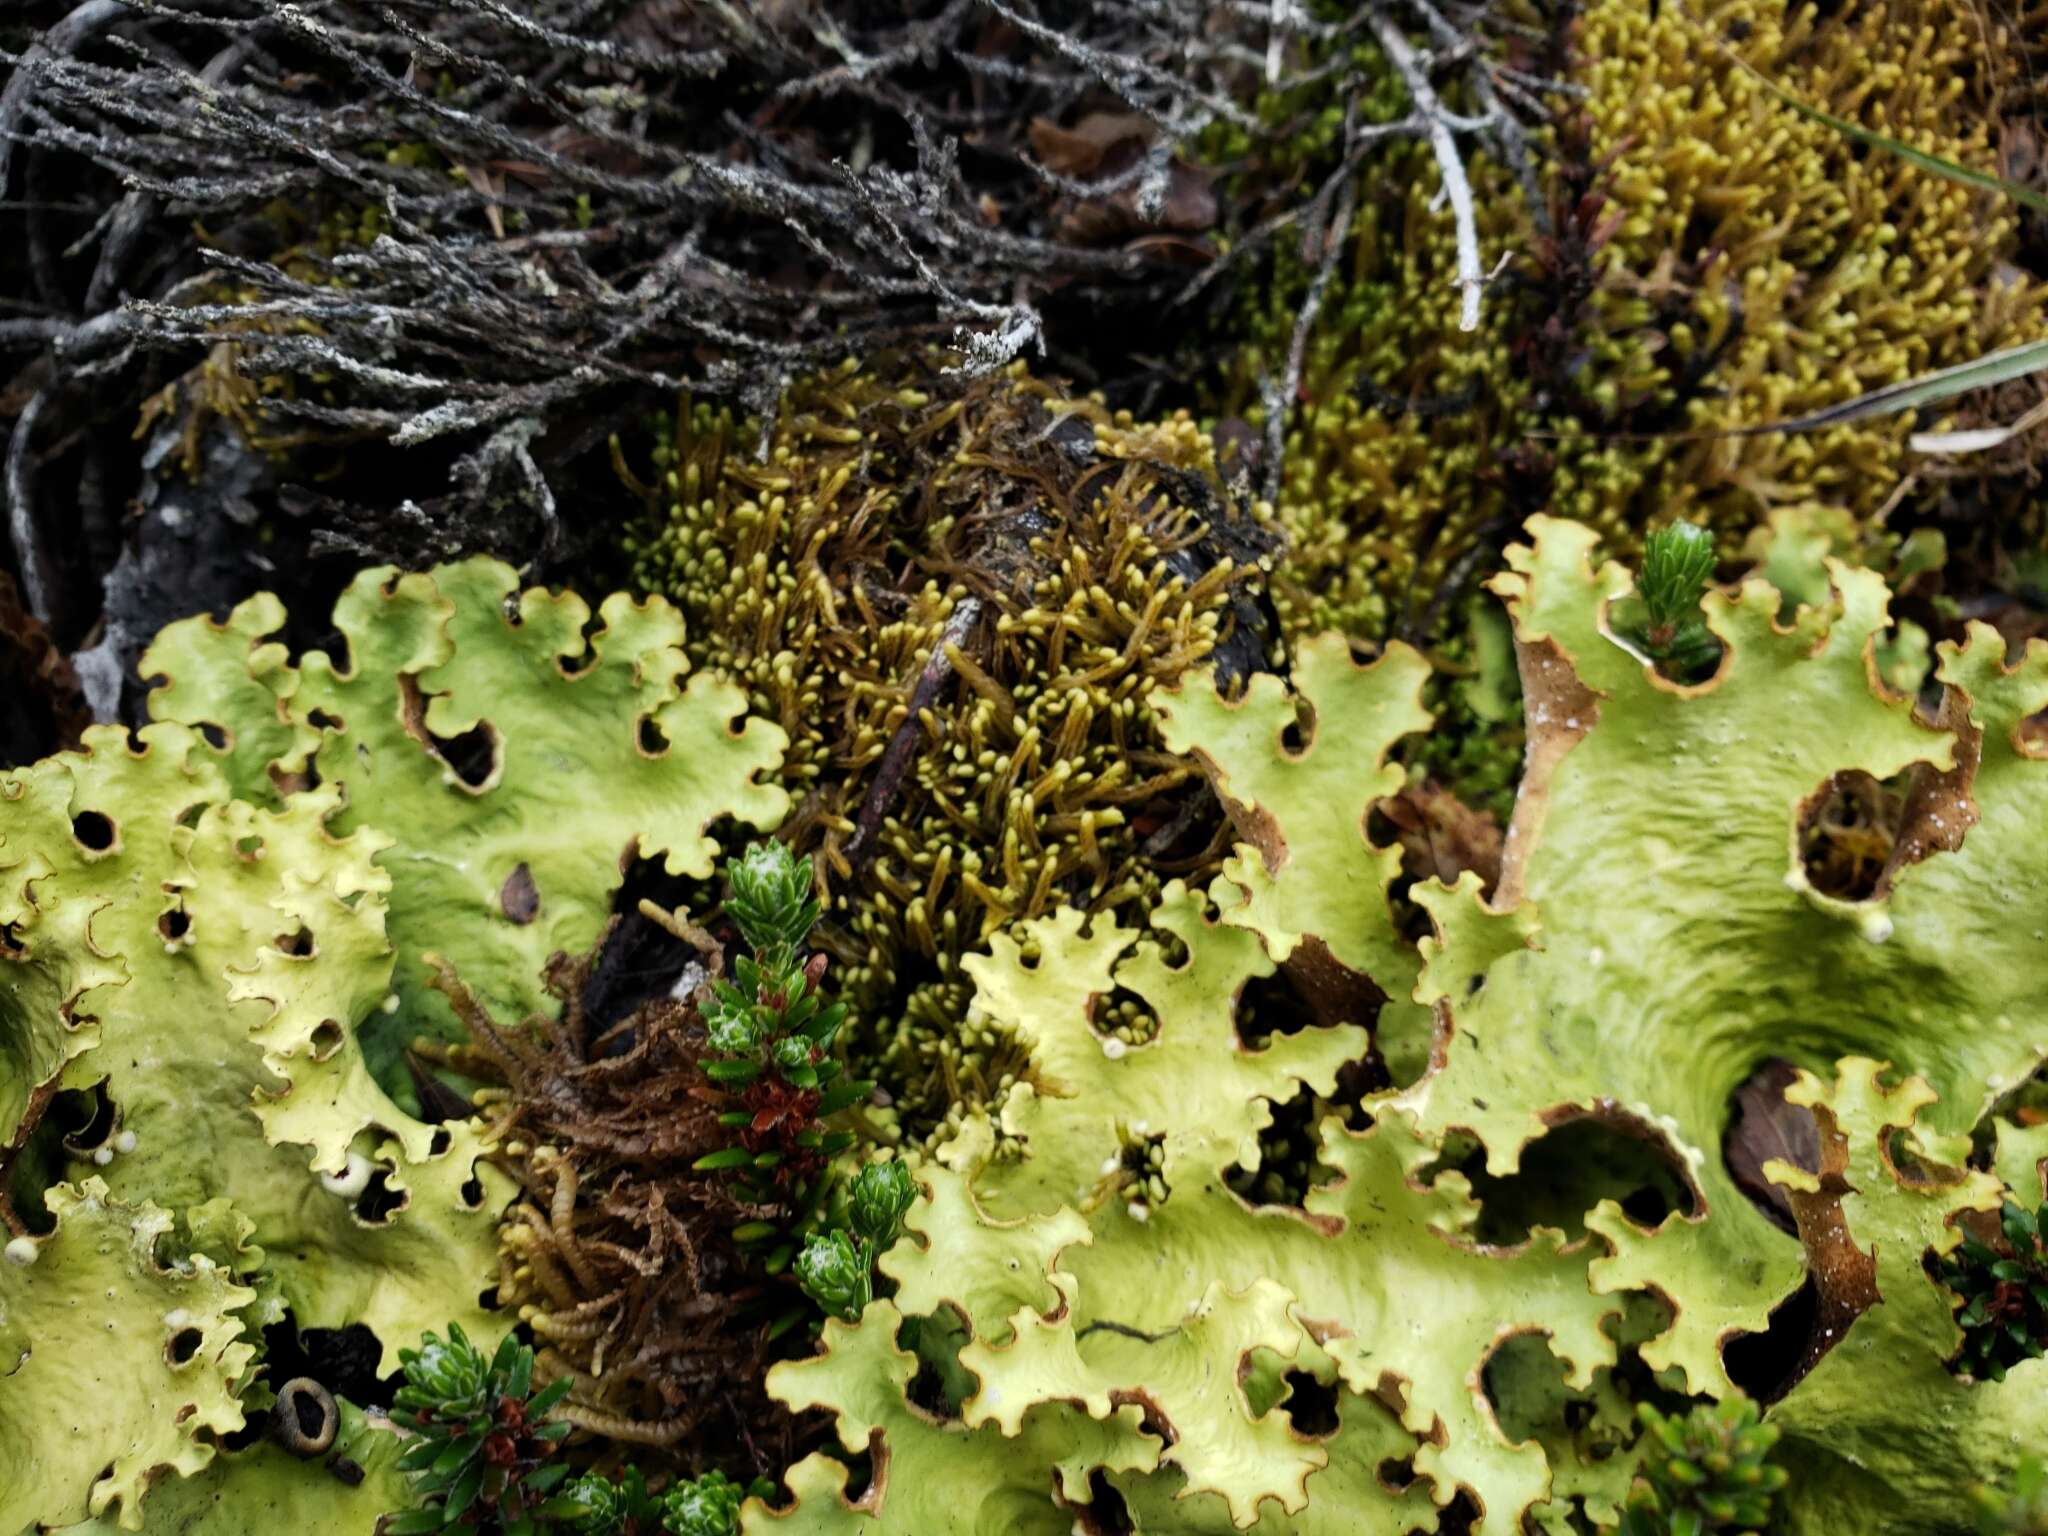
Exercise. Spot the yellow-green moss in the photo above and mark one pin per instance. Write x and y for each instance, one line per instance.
(1807, 268)
(1855, 268)
(826, 578)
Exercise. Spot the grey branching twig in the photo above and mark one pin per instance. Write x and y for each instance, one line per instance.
(1464, 44)
(21, 526)
(1442, 127)
(488, 224)
(540, 199)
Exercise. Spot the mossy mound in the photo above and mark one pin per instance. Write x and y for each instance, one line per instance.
(957, 598)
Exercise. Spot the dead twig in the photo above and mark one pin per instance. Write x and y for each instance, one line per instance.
(938, 671)
(550, 232)
(21, 514)
(1281, 394)
(91, 17)
(1443, 126)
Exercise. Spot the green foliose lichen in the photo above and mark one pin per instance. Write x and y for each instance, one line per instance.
(216, 938)
(1130, 1341)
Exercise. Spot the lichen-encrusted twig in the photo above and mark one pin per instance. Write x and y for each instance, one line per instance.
(1280, 393)
(90, 17)
(1442, 126)
(21, 515)
(536, 201)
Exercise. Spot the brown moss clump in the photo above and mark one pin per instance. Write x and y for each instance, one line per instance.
(616, 1254)
(958, 598)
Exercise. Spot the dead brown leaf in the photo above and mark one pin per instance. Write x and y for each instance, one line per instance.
(1441, 836)
(1102, 146)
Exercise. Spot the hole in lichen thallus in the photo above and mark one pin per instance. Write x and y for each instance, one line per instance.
(472, 757)
(1269, 1006)
(1769, 1364)
(938, 1386)
(1299, 732)
(1123, 1015)
(1105, 1513)
(1440, 837)
(1312, 991)
(1311, 1405)
(90, 1119)
(1288, 1165)
(1459, 1516)
(96, 832)
(344, 1360)
(1763, 1127)
(183, 1345)
(379, 1202)
(1570, 1169)
(927, 1390)
(1396, 1473)
(1523, 1363)
(1847, 832)
(1841, 1279)
(40, 1156)
(1411, 919)
(865, 1469)
(587, 654)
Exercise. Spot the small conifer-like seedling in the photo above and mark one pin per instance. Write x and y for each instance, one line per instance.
(1705, 1471)
(773, 902)
(771, 1031)
(594, 1505)
(709, 1506)
(482, 1461)
(836, 1268)
(836, 1273)
(1678, 562)
(2004, 1287)
(877, 1202)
